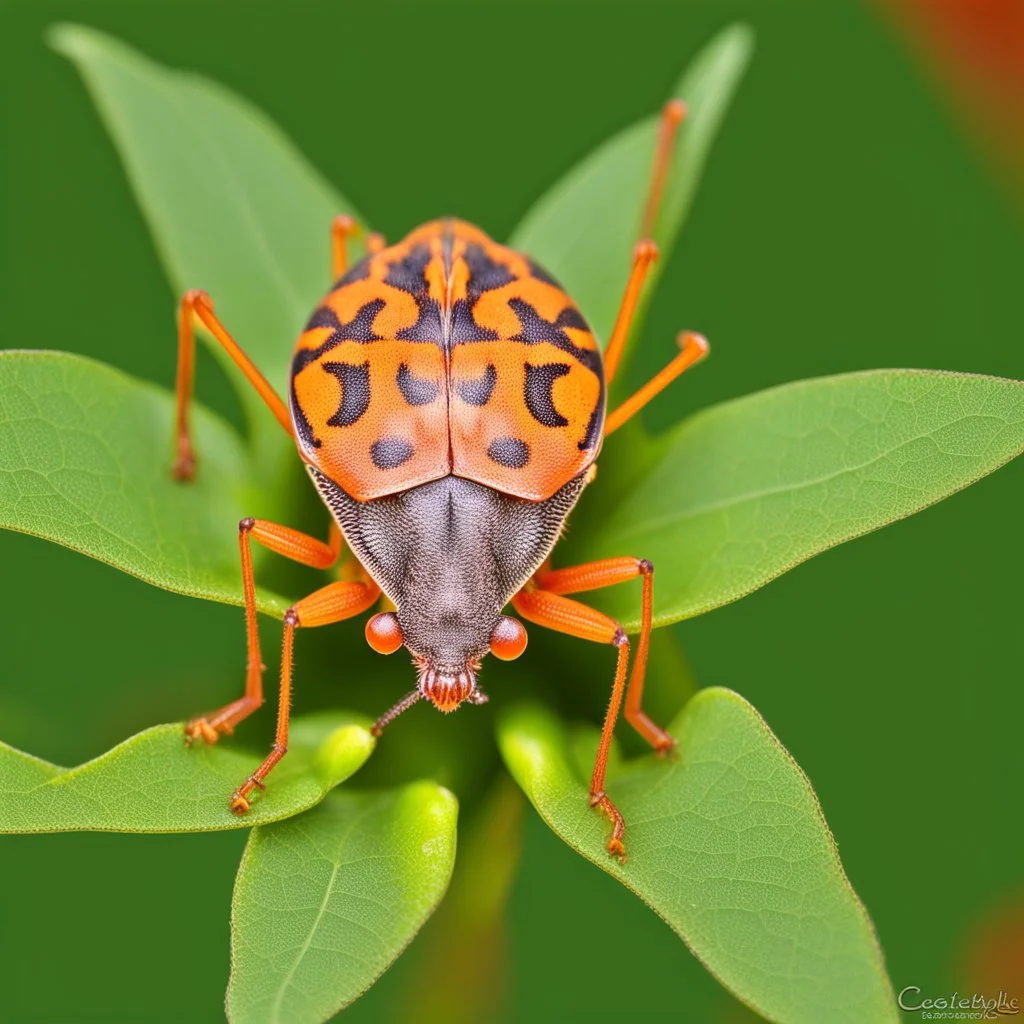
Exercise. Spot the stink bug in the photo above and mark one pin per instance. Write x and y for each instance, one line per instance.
(448, 400)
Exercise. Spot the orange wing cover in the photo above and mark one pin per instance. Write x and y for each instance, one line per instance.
(448, 353)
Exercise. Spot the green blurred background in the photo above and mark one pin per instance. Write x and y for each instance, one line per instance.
(846, 221)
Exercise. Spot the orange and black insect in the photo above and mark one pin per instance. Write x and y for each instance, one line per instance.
(448, 400)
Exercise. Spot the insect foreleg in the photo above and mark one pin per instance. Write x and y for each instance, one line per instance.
(294, 545)
(333, 603)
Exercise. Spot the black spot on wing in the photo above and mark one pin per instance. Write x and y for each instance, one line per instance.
(593, 434)
(510, 452)
(302, 425)
(537, 391)
(416, 390)
(477, 391)
(355, 392)
(407, 273)
(572, 317)
(464, 328)
(541, 274)
(357, 272)
(359, 328)
(391, 452)
(534, 330)
(429, 324)
(324, 316)
(485, 274)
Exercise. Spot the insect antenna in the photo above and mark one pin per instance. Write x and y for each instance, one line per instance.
(389, 716)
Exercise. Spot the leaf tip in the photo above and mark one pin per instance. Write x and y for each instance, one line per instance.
(67, 38)
(740, 34)
(344, 751)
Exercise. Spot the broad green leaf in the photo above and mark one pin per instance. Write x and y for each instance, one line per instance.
(470, 926)
(153, 783)
(741, 492)
(728, 845)
(233, 207)
(584, 228)
(85, 455)
(325, 903)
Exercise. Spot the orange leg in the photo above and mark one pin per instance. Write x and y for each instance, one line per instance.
(197, 303)
(692, 349)
(292, 544)
(646, 252)
(342, 228)
(672, 115)
(545, 605)
(336, 601)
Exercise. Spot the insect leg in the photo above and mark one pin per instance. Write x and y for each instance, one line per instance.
(606, 573)
(672, 115)
(294, 545)
(336, 601)
(644, 254)
(197, 303)
(567, 616)
(692, 349)
(343, 228)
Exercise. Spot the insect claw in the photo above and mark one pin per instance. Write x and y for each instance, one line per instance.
(668, 750)
(184, 468)
(200, 728)
(617, 849)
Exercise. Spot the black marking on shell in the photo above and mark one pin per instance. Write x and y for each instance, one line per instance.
(391, 452)
(478, 391)
(541, 274)
(355, 392)
(593, 434)
(540, 380)
(463, 327)
(429, 326)
(416, 390)
(359, 328)
(407, 273)
(510, 452)
(485, 274)
(535, 330)
(357, 272)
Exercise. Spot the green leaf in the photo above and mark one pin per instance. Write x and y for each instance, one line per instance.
(233, 207)
(728, 845)
(470, 926)
(153, 783)
(741, 492)
(326, 902)
(584, 228)
(85, 455)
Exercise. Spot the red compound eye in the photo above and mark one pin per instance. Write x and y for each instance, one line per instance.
(383, 633)
(508, 640)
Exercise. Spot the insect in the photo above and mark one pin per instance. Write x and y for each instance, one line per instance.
(448, 400)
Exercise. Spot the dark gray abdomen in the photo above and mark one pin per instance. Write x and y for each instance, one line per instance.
(450, 554)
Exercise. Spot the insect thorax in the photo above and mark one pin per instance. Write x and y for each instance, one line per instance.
(450, 554)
